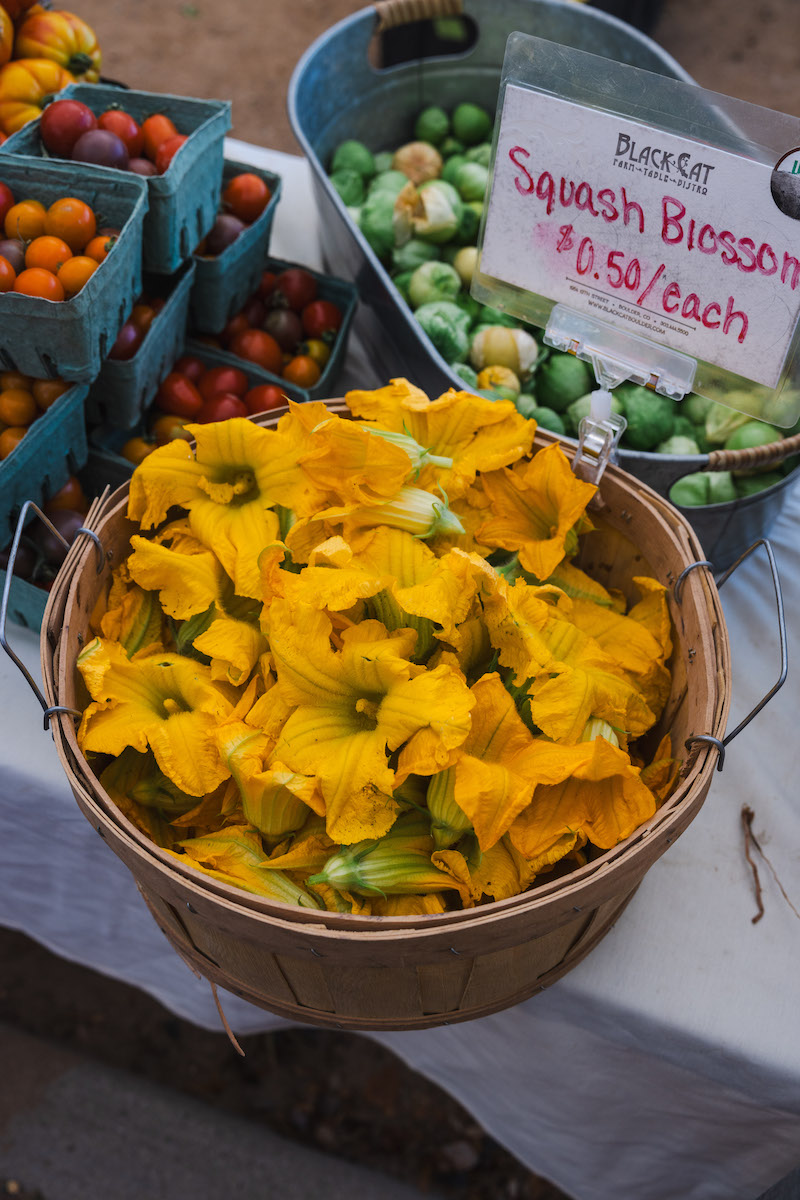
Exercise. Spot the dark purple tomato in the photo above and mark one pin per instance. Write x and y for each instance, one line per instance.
(101, 147)
(24, 563)
(142, 166)
(13, 249)
(67, 521)
(129, 339)
(285, 326)
(254, 310)
(225, 231)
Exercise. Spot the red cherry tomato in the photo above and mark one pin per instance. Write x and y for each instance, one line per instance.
(265, 396)
(246, 195)
(6, 201)
(61, 124)
(126, 127)
(217, 380)
(258, 346)
(191, 365)
(295, 287)
(266, 284)
(221, 407)
(178, 395)
(235, 326)
(321, 317)
(167, 151)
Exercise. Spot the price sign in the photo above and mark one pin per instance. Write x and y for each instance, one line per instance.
(666, 236)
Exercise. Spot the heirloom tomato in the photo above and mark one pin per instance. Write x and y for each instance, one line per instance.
(6, 201)
(25, 220)
(6, 36)
(136, 449)
(26, 86)
(73, 220)
(190, 365)
(64, 39)
(36, 281)
(76, 272)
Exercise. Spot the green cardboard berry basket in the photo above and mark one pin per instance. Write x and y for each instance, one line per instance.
(184, 200)
(340, 292)
(124, 388)
(223, 284)
(26, 601)
(107, 467)
(54, 448)
(69, 339)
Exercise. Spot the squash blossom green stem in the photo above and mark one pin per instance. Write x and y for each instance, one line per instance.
(420, 456)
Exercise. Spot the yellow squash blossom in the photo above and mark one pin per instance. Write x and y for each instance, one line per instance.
(133, 616)
(354, 707)
(274, 800)
(164, 701)
(600, 798)
(535, 506)
(228, 485)
(235, 855)
(190, 581)
(478, 434)
(494, 873)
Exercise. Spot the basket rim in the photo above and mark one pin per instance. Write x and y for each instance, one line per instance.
(666, 823)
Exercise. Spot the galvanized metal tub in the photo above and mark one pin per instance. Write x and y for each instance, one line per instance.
(336, 93)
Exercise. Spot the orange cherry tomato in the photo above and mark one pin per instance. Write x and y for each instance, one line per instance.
(168, 427)
(73, 220)
(136, 449)
(7, 275)
(14, 379)
(71, 495)
(246, 195)
(76, 272)
(36, 281)
(25, 220)
(10, 438)
(47, 391)
(302, 370)
(17, 407)
(156, 129)
(98, 248)
(48, 252)
(167, 151)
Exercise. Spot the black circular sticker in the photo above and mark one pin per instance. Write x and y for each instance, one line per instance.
(785, 184)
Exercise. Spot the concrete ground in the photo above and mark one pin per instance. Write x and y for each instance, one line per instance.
(73, 1129)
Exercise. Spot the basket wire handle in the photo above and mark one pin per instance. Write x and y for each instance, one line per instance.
(721, 743)
(392, 13)
(29, 506)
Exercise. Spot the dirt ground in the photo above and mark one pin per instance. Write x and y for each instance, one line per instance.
(339, 1093)
(245, 50)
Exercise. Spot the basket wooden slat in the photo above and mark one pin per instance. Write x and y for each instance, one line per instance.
(336, 969)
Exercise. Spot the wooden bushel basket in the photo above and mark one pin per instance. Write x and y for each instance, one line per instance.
(350, 972)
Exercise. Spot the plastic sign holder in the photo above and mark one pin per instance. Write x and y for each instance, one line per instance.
(649, 226)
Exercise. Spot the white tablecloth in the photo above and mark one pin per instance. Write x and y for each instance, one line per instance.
(665, 1067)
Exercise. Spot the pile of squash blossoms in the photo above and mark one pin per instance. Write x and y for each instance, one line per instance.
(350, 664)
